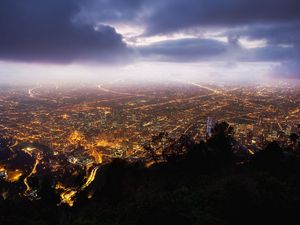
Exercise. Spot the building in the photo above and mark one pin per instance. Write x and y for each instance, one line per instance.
(209, 126)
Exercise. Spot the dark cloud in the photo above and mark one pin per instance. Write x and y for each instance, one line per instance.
(276, 22)
(93, 11)
(199, 50)
(283, 46)
(190, 49)
(173, 15)
(270, 54)
(59, 31)
(287, 69)
(168, 16)
(273, 33)
(35, 30)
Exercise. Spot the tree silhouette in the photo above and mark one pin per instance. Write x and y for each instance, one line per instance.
(157, 146)
(294, 137)
(270, 157)
(178, 149)
(221, 141)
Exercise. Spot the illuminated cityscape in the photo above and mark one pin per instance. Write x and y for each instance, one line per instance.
(149, 112)
(63, 129)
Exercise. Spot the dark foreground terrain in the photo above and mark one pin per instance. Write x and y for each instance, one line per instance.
(207, 183)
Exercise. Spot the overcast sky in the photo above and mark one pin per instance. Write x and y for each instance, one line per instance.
(159, 39)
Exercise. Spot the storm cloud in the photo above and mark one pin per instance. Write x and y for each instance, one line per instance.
(174, 15)
(184, 50)
(56, 31)
(35, 30)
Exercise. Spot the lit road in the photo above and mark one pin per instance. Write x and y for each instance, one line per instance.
(207, 88)
(117, 92)
(90, 178)
(33, 171)
(68, 196)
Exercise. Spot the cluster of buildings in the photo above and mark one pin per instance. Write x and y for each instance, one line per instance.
(72, 129)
